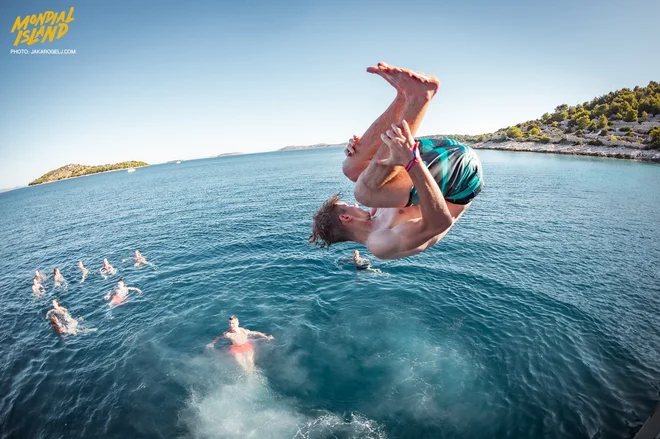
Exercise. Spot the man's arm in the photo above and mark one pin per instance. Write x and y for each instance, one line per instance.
(436, 215)
(210, 345)
(260, 334)
(134, 289)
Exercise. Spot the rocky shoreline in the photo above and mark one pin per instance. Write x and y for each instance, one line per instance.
(618, 152)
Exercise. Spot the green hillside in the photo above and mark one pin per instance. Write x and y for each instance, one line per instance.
(70, 171)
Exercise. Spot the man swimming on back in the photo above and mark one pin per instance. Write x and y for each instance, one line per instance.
(120, 293)
(61, 320)
(83, 270)
(37, 289)
(241, 348)
(107, 269)
(138, 260)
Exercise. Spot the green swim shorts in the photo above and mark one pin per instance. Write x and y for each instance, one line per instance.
(454, 166)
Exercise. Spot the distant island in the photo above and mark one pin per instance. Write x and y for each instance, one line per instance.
(318, 145)
(228, 154)
(70, 171)
(620, 124)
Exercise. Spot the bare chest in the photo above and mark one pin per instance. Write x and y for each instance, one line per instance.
(392, 217)
(238, 337)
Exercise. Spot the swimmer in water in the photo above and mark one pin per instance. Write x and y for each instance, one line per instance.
(83, 270)
(37, 289)
(58, 279)
(61, 320)
(107, 269)
(138, 260)
(360, 263)
(241, 347)
(40, 277)
(120, 294)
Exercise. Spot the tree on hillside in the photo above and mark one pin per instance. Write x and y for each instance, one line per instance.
(514, 132)
(630, 115)
(655, 136)
(601, 109)
(650, 105)
(558, 116)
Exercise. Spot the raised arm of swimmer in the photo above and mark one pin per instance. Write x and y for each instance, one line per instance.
(134, 289)
(436, 217)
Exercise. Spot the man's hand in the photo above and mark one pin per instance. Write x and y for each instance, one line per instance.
(401, 144)
(350, 149)
(270, 337)
(210, 345)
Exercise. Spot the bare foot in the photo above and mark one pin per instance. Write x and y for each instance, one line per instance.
(382, 70)
(409, 82)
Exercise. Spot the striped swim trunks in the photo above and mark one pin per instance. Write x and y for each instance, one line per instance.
(454, 166)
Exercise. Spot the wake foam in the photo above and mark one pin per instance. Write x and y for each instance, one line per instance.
(225, 403)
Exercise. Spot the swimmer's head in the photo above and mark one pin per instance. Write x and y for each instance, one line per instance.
(356, 254)
(105, 261)
(120, 282)
(36, 273)
(56, 270)
(335, 222)
(137, 253)
(56, 304)
(233, 322)
(80, 263)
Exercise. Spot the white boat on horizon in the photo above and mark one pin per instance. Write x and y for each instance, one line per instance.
(131, 169)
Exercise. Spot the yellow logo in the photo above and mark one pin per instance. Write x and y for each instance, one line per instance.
(53, 25)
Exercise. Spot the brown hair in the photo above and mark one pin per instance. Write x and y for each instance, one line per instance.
(327, 227)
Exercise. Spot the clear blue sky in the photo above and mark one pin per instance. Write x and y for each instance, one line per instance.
(163, 80)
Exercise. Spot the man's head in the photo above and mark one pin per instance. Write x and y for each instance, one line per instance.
(80, 263)
(335, 222)
(105, 261)
(56, 304)
(120, 283)
(233, 322)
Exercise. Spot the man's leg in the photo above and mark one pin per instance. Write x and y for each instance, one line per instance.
(386, 186)
(367, 146)
(250, 360)
(241, 360)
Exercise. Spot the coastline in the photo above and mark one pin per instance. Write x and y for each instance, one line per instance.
(615, 152)
(78, 176)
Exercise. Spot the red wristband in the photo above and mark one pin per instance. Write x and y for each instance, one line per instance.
(416, 158)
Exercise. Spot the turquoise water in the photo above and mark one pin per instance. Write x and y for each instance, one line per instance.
(537, 316)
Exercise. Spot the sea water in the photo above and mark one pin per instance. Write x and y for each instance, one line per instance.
(536, 316)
